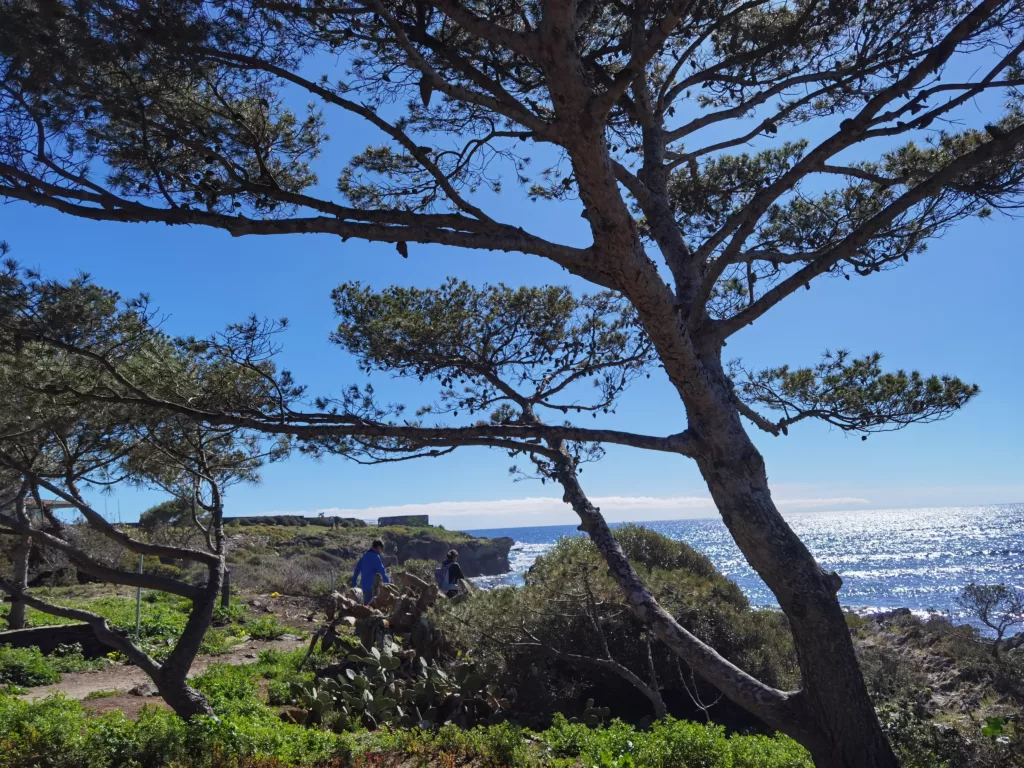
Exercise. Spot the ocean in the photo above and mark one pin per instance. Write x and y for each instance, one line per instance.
(889, 558)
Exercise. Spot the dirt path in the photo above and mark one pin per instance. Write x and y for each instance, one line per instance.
(78, 685)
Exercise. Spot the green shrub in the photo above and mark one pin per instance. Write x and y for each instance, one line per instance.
(553, 607)
(421, 569)
(675, 743)
(280, 691)
(218, 641)
(70, 658)
(670, 744)
(59, 733)
(298, 575)
(93, 695)
(225, 685)
(653, 550)
(47, 734)
(452, 739)
(504, 747)
(272, 663)
(235, 613)
(26, 667)
(163, 615)
(759, 751)
(920, 742)
(265, 628)
(261, 734)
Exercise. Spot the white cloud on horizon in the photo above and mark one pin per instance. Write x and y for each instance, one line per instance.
(525, 511)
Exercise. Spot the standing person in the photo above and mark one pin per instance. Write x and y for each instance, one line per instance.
(451, 579)
(369, 566)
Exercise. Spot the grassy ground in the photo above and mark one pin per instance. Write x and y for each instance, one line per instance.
(249, 733)
(163, 618)
(255, 725)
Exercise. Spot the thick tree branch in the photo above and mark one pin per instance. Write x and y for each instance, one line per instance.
(509, 239)
(323, 425)
(99, 523)
(99, 625)
(97, 569)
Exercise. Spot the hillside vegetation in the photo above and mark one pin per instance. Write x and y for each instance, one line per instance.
(554, 674)
(300, 559)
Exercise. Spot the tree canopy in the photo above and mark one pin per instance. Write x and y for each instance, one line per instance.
(173, 512)
(67, 351)
(179, 113)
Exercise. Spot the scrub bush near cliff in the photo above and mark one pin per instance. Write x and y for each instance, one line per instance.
(530, 631)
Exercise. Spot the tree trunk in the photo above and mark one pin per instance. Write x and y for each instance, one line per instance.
(833, 702)
(185, 700)
(19, 561)
(172, 679)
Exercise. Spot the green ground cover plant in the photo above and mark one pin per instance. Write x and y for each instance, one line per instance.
(265, 628)
(163, 617)
(58, 733)
(28, 667)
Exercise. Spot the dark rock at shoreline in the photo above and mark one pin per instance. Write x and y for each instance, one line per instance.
(478, 557)
(887, 616)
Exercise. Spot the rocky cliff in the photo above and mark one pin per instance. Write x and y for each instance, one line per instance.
(311, 548)
(478, 557)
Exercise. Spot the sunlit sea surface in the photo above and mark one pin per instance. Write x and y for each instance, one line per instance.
(889, 558)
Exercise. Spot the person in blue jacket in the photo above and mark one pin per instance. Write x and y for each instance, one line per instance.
(369, 565)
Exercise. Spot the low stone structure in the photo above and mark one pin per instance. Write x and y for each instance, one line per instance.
(48, 638)
(296, 520)
(413, 521)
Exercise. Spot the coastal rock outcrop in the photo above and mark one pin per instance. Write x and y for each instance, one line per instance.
(478, 557)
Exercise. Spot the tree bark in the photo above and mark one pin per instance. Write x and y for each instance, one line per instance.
(185, 700)
(19, 561)
(833, 703)
(172, 679)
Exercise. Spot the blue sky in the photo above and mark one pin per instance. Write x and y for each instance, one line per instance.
(956, 309)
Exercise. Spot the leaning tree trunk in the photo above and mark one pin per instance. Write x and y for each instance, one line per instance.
(833, 703)
(19, 562)
(832, 715)
(172, 679)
